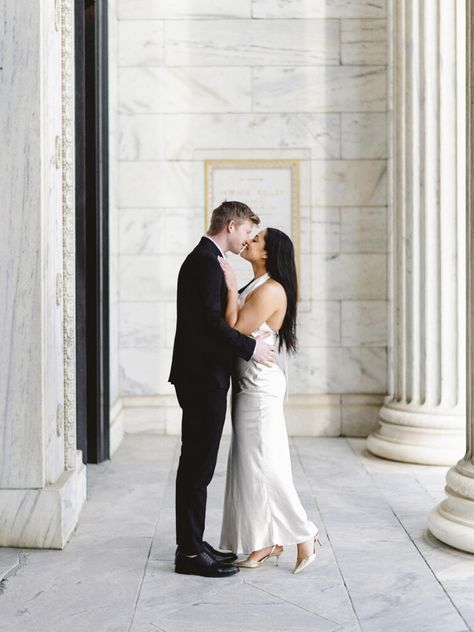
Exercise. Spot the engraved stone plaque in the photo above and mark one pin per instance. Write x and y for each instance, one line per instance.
(270, 187)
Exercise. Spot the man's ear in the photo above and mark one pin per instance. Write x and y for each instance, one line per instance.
(230, 225)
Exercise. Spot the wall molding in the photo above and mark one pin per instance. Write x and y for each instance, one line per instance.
(69, 296)
(313, 415)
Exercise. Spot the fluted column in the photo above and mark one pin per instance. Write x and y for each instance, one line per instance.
(423, 418)
(452, 521)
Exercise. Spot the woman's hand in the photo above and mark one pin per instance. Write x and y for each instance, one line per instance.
(229, 274)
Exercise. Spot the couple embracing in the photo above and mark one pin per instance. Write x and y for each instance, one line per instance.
(223, 333)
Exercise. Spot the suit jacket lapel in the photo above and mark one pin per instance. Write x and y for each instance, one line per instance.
(209, 246)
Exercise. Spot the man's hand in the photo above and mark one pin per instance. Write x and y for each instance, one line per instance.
(264, 353)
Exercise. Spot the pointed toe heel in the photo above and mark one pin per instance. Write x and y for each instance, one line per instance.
(306, 561)
(250, 563)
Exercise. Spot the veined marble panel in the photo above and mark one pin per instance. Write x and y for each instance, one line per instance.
(360, 414)
(325, 229)
(364, 135)
(364, 323)
(252, 42)
(304, 280)
(185, 132)
(154, 9)
(141, 136)
(160, 231)
(316, 89)
(23, 309)
(363, 42)
(155, 90)
(305, 231)
(113, 326)
(160, 184)
(113, 212)
(364, 229)
(319, 9)
(114, 375)
(272, 153)
(142, 325)
(320, 326)
(352, 277)
(170, 324)
(313, 415)
(149, 278)
(183, 230)
(145, 371)
(141, 43)
(113, 284)
(349, 182)
(338, 370)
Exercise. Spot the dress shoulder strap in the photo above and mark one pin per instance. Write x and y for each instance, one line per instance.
(253, 285)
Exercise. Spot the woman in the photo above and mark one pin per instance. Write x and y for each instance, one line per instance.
(262, 511)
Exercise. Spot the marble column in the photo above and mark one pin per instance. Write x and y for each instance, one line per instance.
(42, 478)
(452, 521)
(423, 418)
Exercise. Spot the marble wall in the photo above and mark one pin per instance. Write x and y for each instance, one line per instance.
(255, 79)
(116, 408)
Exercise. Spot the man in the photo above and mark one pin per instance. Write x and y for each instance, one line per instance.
(204, 350)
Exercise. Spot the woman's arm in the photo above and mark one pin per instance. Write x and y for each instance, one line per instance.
(261, 304)
(232, 309)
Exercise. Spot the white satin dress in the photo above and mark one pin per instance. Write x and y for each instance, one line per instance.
(261, 505)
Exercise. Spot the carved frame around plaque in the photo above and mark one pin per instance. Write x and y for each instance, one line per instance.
(289, 221)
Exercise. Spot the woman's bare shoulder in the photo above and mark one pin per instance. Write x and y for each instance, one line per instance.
(271, 290)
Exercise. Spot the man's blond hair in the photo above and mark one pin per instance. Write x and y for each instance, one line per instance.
(227, 211)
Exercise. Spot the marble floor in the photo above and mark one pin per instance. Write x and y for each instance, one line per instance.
(379, 570)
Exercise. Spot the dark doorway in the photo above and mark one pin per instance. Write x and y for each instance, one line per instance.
(92, 290)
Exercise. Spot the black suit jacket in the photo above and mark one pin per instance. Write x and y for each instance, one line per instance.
(204, 345)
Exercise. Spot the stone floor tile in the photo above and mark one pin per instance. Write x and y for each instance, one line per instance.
(9, 561)
(244, 607)
(389, 582)
(379, 568)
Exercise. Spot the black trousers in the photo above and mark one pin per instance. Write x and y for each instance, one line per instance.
(201, 430)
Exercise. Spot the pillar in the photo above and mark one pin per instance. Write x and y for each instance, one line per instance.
(452, 521)
(423, 418)
(42, 478)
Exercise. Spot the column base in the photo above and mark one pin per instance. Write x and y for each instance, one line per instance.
(452, 521)
(423, 437)
(43, 518)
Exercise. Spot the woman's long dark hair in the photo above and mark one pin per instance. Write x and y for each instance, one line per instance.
(281, 267)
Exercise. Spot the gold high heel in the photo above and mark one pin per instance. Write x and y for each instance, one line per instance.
(306, 561)
(249, 563)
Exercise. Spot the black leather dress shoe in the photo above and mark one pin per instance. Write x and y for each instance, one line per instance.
(202, 564)
(220, 556)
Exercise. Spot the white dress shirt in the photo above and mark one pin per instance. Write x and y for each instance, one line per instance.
(216, 244)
